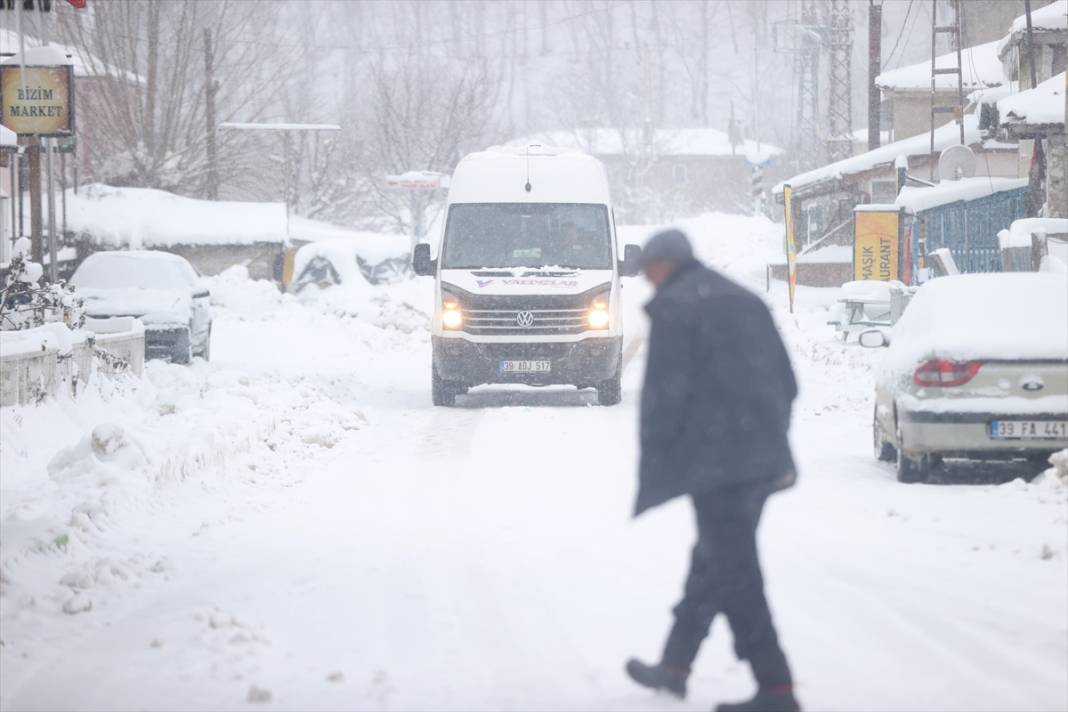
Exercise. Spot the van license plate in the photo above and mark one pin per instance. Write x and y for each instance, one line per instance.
(1029, 429)
(526, 366)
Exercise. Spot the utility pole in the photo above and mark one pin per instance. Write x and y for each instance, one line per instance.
(840, 95)
(806, 74)
(33, 158)
(210, 88)
(875, 61)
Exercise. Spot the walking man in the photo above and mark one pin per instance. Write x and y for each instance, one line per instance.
(715, 411)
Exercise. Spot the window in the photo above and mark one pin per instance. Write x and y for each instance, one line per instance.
(679, 174)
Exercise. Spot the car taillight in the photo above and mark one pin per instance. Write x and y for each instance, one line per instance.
(943, 373)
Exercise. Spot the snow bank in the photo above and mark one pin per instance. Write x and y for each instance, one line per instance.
(919, 198)
(142, 217)
(983, 316)
(52, 336)
(980, 64)
(1020, 231)
(1043, 105)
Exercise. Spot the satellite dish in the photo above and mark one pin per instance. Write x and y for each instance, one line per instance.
(956, 162)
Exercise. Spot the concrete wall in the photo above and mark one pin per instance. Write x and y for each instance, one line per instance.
(28, 377)
(912, 112)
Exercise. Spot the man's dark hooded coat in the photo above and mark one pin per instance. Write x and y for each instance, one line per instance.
(718, 391)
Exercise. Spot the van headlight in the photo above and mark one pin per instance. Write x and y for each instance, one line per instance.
(597, 316)
(452, 316)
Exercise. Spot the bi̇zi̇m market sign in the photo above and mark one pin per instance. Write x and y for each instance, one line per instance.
(37, 100)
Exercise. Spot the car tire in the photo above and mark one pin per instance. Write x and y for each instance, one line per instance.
(610, 392)
(911, 469)
(442, 392)
(884, 451)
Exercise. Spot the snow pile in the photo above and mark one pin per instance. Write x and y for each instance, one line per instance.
(980, 64)
(1020, 231)
(145, 218)
(741, 244)
(54, 336)
(1040, 106)
(77, 474)
(919, 198)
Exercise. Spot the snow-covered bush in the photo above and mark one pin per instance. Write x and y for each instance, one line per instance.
(25, 303)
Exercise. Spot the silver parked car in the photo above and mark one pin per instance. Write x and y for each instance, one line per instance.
(976, 368)
(163, 290)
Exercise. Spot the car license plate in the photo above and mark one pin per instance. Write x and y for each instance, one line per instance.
(526, 366)
(1029, 429)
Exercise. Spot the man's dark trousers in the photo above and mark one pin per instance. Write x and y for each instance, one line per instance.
(725, 578)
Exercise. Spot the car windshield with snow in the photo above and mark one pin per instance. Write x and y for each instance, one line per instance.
(161, 289)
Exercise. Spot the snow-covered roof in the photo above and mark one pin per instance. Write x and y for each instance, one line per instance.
(1041, 106)
(980, 68)
(1051, 18)
(142, 217)
(85, 64)
(666, 142)
(920, 198)
(919, 145)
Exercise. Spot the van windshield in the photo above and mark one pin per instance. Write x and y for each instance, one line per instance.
(570, 235)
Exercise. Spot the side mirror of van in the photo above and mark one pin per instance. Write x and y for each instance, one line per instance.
(422, 265)
(629, 266)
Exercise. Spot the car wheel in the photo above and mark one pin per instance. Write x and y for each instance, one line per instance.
(442, 392)
(884, 451)
(911, 468)
(610, 392)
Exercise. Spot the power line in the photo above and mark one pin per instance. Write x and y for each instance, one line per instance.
(900, 34)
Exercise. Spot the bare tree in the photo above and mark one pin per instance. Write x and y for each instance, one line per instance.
(148, 104)
(422, 116)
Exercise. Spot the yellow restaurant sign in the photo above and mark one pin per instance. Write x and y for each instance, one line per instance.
(875, 245)
(37, 100)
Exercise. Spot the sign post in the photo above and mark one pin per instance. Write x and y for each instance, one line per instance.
(37, 101)
(791, 244)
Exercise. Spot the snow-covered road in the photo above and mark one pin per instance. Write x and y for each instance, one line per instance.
(361, 550)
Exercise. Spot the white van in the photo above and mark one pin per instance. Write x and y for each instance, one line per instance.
(528, 275)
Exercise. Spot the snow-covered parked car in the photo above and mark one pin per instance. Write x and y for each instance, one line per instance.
(976, 368)
(163, 290)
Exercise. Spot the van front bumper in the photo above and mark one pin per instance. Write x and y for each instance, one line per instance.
(582, 363)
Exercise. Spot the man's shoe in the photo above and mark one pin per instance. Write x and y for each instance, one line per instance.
(659, 677)
(766, 700)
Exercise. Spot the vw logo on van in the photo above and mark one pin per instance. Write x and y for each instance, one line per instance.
(525, 319)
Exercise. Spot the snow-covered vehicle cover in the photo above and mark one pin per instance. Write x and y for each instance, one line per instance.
(1008, 316)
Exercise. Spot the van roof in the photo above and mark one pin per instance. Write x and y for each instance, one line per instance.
(500, 174)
